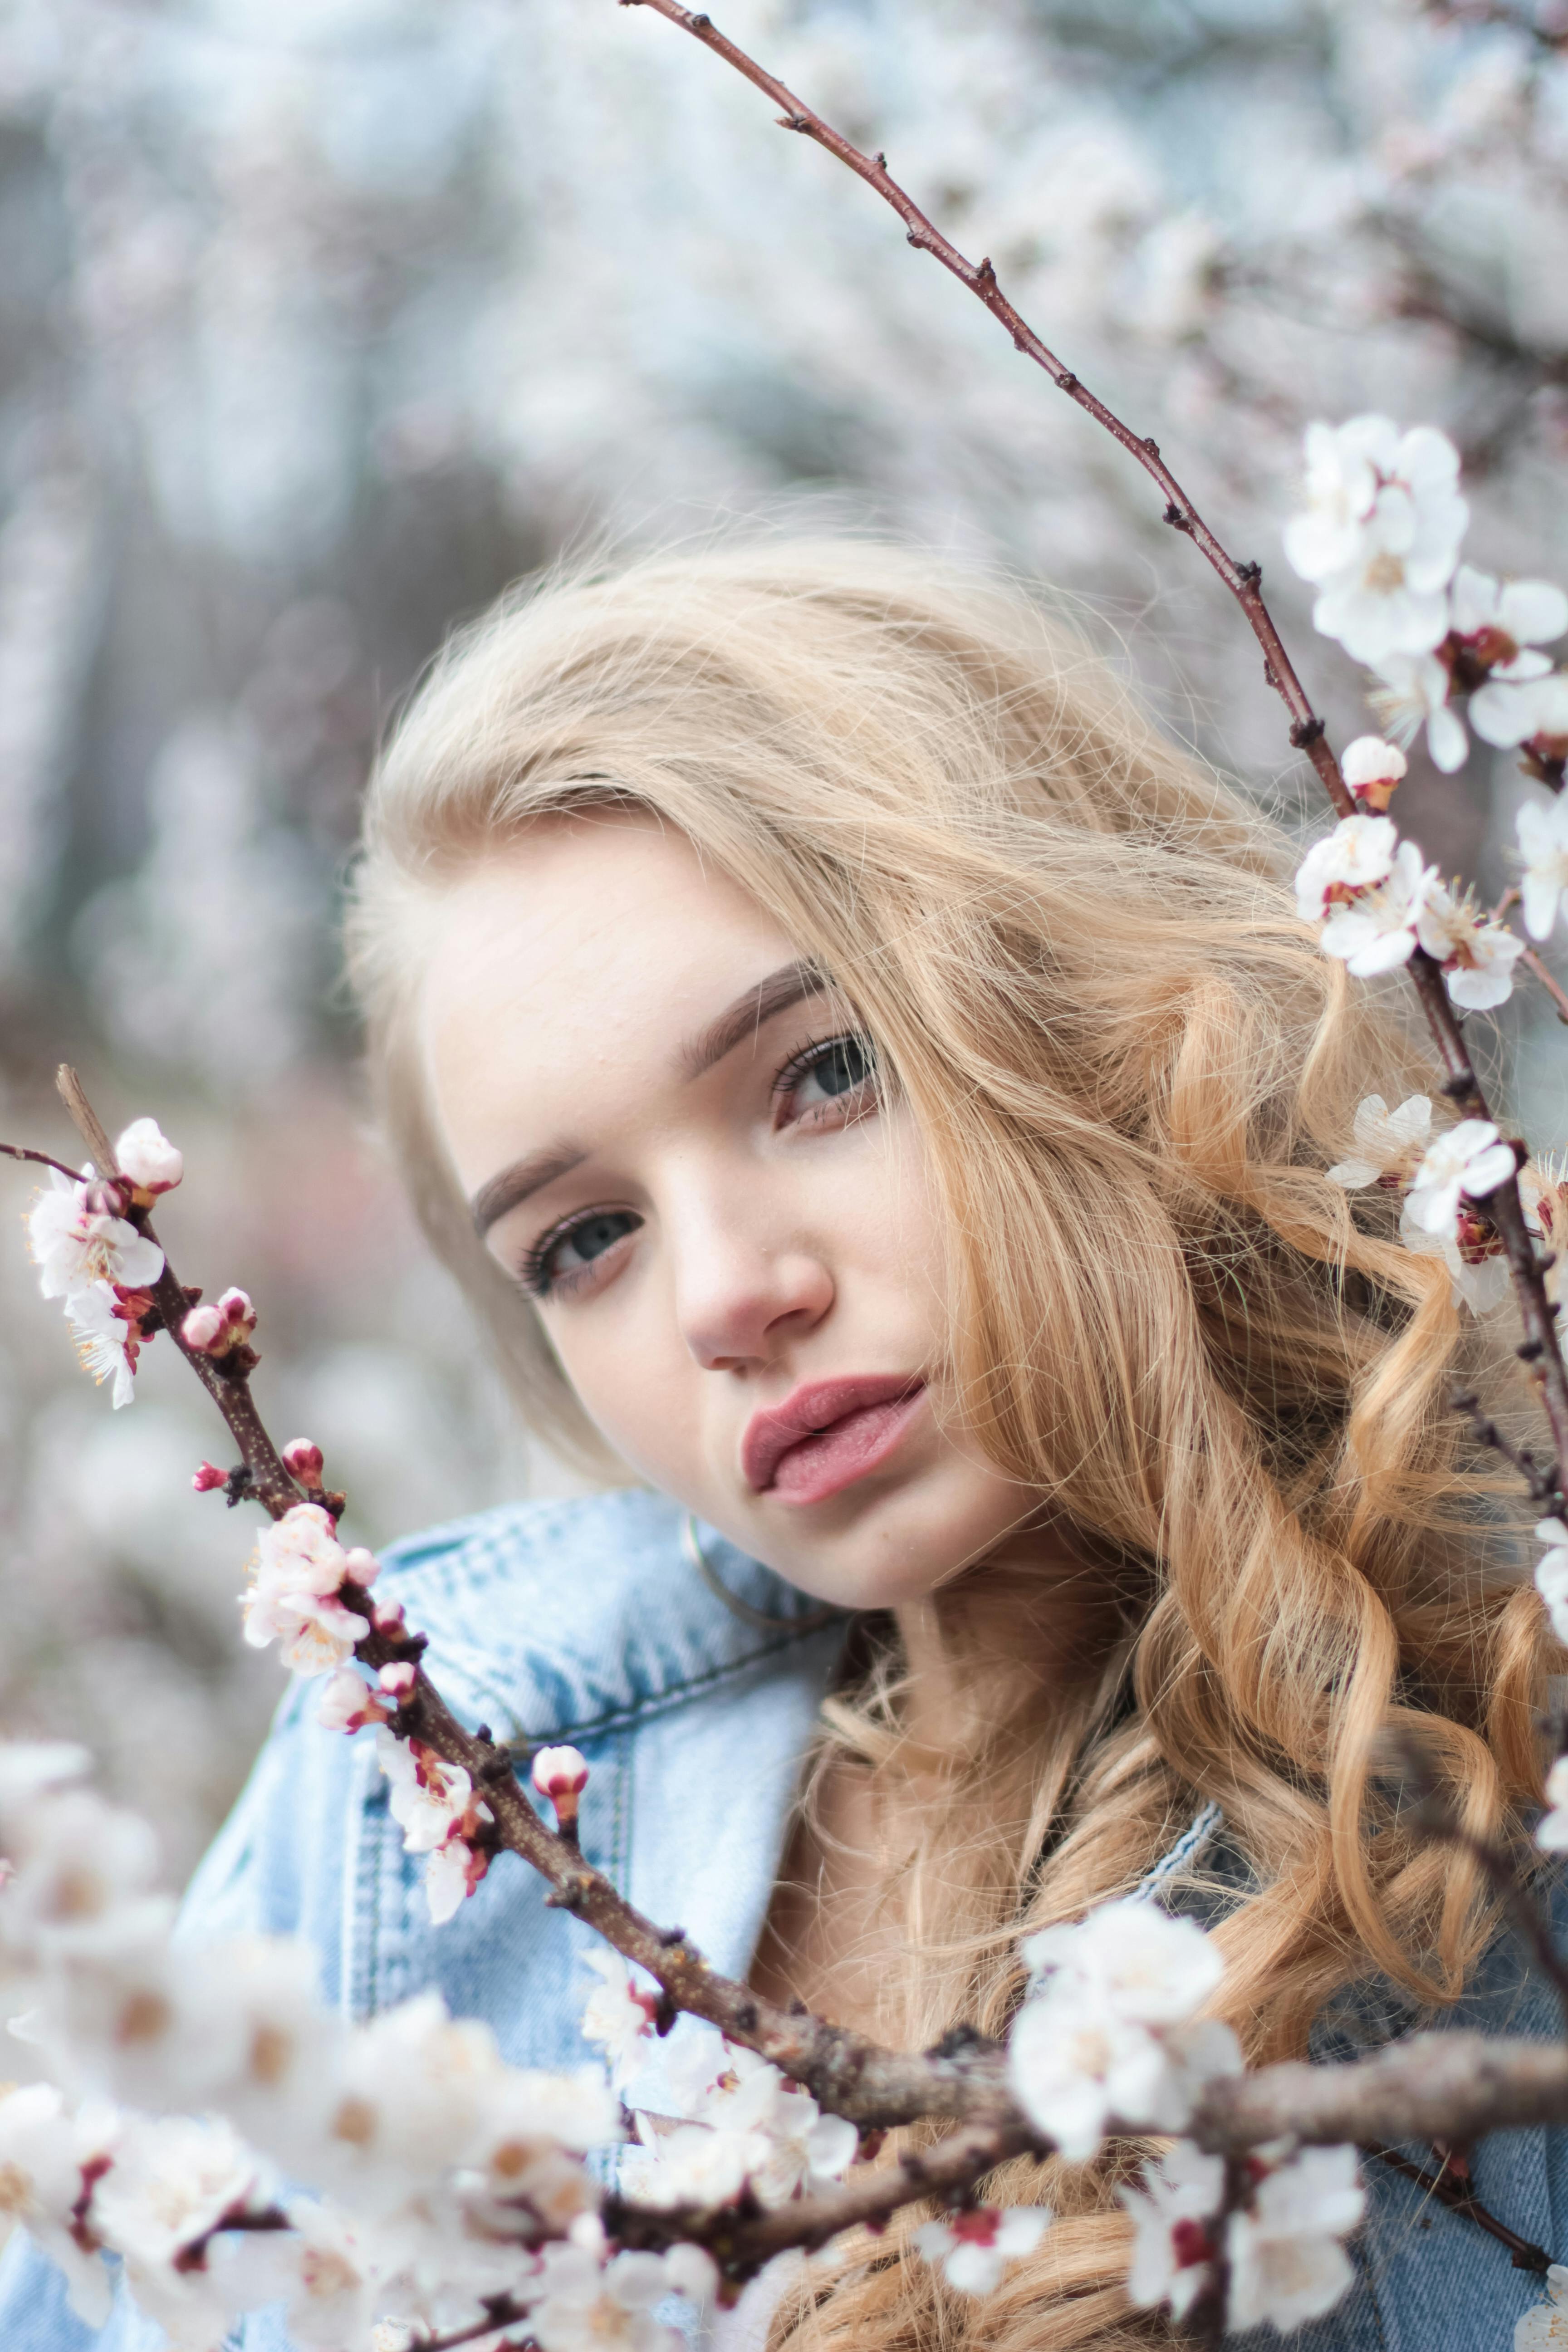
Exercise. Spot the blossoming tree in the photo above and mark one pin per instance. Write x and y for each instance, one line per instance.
(204, 2118)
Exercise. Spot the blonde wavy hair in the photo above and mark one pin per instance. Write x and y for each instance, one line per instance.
(1131, 1065)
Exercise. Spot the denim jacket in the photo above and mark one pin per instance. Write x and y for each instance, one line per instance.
(583, 1621)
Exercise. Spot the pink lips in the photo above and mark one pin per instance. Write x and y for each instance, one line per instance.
(827, 1435)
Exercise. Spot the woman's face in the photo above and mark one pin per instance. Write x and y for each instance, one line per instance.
(675, 1142)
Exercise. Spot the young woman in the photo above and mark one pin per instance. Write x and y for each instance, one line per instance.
(879, 1095)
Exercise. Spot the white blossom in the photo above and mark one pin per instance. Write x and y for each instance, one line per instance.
(147, 1158)
(688, 2163)
(619, 2015)
(81, 1869)
(1543, 843)
(348, 1703)
(325, 2270)
(1500, 622)
(1477, 957)
(172, 2180)
(1142, 1963)
(1172, 2251)
(452, 1874)
(435, 1805)
(1551, 1831)
(1372, 770)
(1544, 2327)
(1078, 2069)
(1551, 1575)
(1472, 1253)
(75, 1244)
(43, 2151)
(1380, 536)
(1111, 2037)
(740, 2122)
(1376, 931)
(1287, 2264)
(296, 1572)
(587, 2307)
(1413, 691)
(974, 2247)
(105, 1341)
(1359, 852)
(1389, 1144)
(430, 1797)
(1469, 1159)
(1535, 711)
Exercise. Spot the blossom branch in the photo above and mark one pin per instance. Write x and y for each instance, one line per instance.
(963, 2079)
(1540, 1350)
(227, 1379)
(1242, 579)
(1452, 2086)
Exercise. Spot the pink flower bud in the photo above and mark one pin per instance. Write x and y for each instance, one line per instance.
(388, 1617)
(303, 1460)
(562, 1775)
(398, 1680)
(363, 1566)
(238, 1312)
(145, 1156)
(348, 1703)
(209, 1477)
(1372, 770)
(205, 1331)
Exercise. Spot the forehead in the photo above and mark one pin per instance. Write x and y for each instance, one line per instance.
(563, 972)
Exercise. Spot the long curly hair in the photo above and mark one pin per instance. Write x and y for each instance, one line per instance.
(1131, 1065)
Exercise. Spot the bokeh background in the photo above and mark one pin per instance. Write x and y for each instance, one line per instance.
(322, 320)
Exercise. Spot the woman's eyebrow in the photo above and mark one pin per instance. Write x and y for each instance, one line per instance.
(791, 985)
(524, 1176)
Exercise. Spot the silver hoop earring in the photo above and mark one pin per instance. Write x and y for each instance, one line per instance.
(758, 1619)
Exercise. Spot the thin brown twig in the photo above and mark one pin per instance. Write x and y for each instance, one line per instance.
(42, 1159)
(1243, 579)
(228, 1386)
(1458, 2193)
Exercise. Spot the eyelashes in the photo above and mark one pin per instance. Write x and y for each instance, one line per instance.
(829, 1082)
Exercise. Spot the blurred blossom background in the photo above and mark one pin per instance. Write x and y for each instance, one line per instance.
(323, 320)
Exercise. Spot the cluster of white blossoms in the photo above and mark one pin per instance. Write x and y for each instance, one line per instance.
(1112, 2040)
(1378, 901)
(740, 2124)
(1441, 1178)
(298, 1573)
(91, 1256)
(1281, 2242)
(1380, 539)
(169, 2092)
(1111, 2035)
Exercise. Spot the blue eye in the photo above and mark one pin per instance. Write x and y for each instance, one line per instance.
(842, 1066)
(563, 1255)
(827, 1077)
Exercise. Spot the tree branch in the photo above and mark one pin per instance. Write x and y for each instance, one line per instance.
(1243, 579)
(226, 1381)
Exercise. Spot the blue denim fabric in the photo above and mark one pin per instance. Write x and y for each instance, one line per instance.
(583, 1621)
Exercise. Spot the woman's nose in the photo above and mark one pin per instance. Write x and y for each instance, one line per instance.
(742, 1298)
